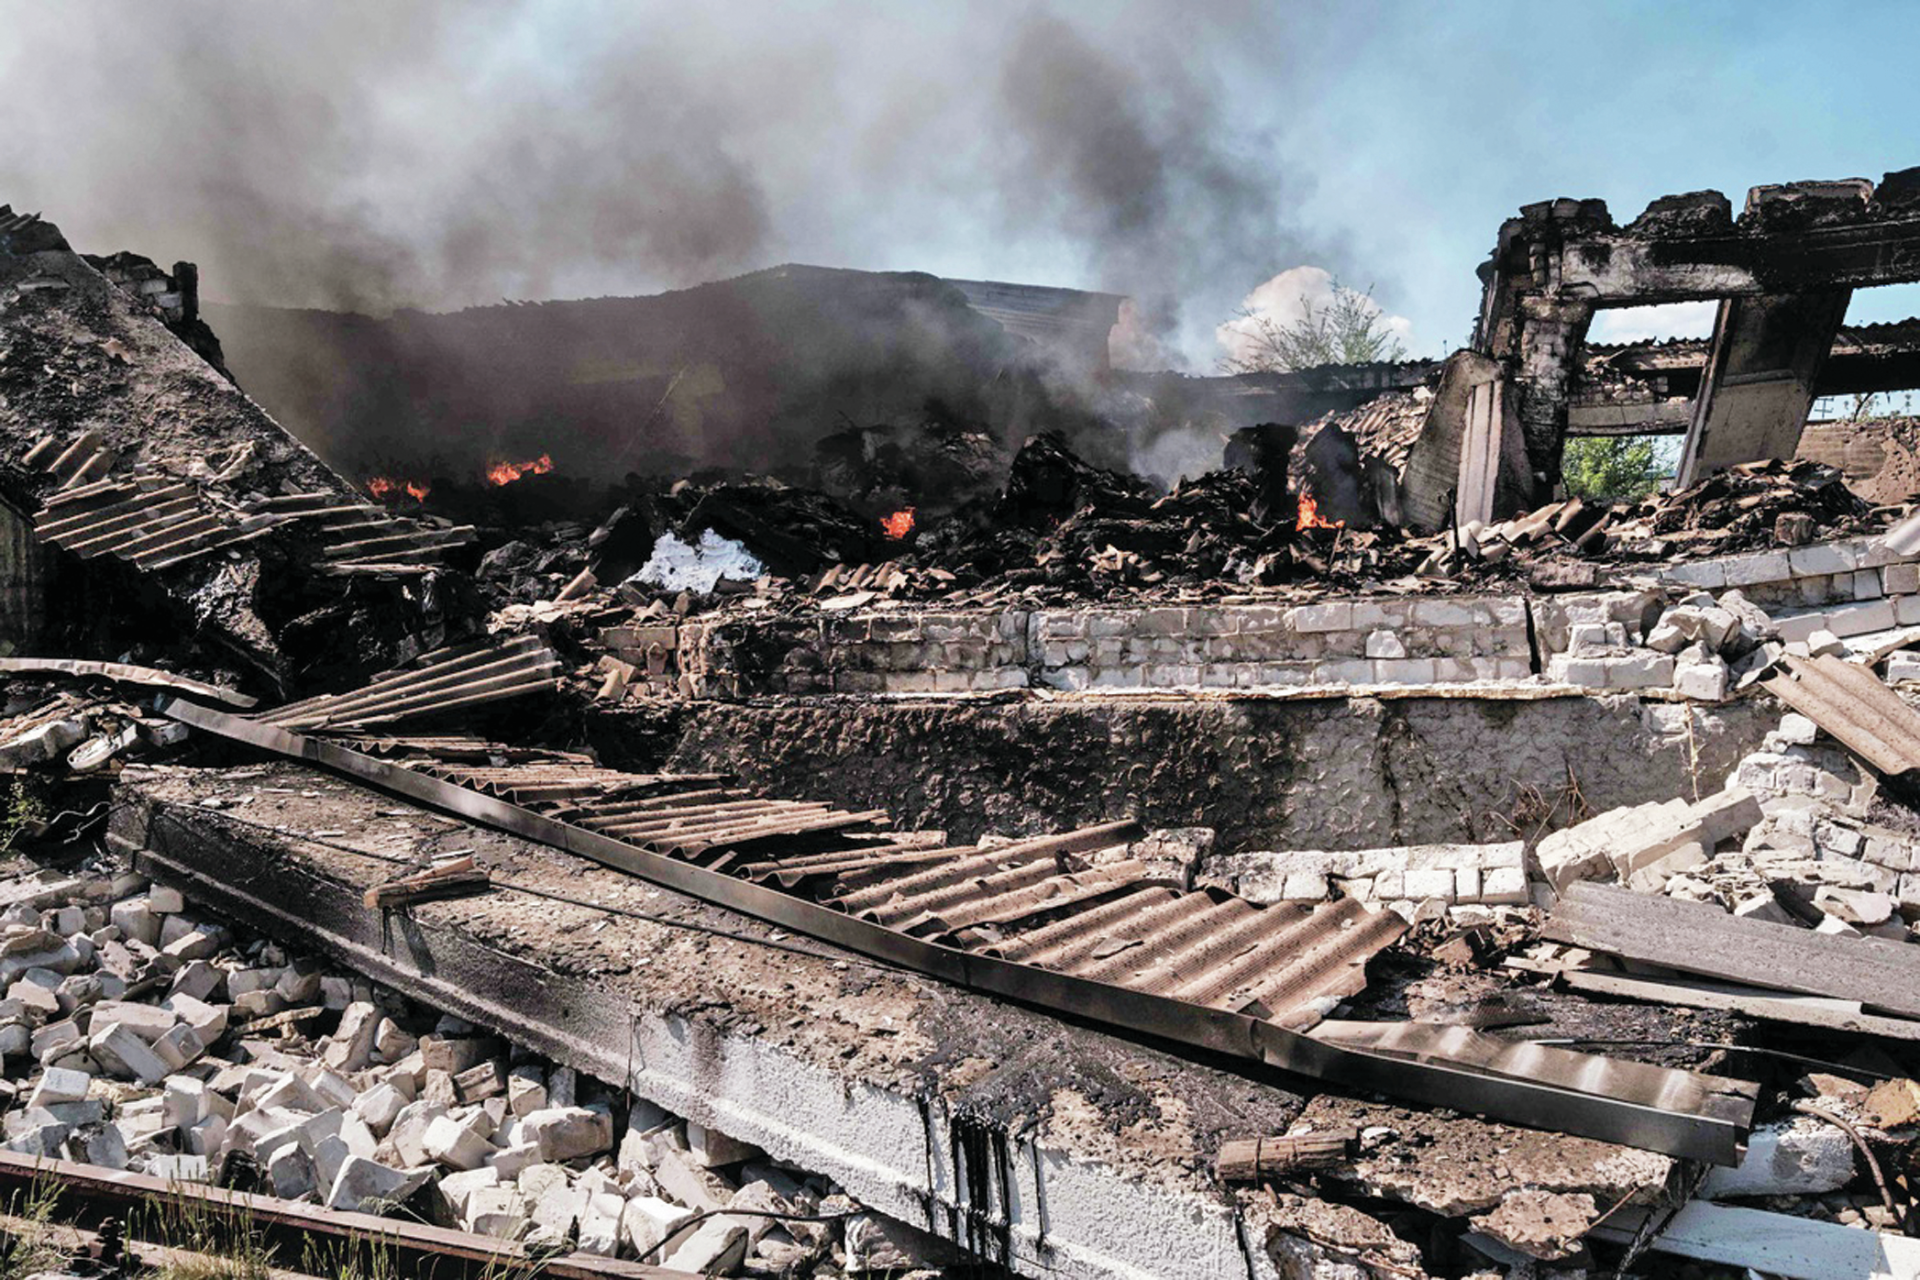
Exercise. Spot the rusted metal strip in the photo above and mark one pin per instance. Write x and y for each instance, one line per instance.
(1680, 1113)
(123, 673)
(420, 1248)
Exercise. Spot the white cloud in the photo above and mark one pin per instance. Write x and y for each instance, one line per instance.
(1647, 324)
(1283, 301)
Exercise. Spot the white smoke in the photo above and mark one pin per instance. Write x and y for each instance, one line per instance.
(1283, 301)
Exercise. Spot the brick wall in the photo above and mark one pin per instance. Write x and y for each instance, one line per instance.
(1850, 587)
(1379, 641)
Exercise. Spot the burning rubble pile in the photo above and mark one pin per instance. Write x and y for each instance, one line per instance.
(1406, 1020)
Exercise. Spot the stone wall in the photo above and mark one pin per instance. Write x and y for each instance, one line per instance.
(1849, 587)
(1390, 640)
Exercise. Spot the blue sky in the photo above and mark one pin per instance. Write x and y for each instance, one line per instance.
(1429, 128)
(443, 153)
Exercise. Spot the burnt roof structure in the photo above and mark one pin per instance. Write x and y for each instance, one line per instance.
(120, 444)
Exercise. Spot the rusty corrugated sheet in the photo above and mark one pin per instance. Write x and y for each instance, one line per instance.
(354, 536)
(1856, 707)
(440, 681)
(156, 522)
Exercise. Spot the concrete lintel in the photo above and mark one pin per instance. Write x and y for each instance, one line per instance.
(1094, 1147)
(1626, 269)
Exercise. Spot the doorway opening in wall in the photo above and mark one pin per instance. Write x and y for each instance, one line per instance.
(1633, 400)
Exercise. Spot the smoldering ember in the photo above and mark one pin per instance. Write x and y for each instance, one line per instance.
(768, 780)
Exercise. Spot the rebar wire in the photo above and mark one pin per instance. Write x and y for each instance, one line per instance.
(1859, 1140)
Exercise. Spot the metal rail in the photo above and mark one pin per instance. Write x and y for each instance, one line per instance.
(1679, 1113)
(423, 1250)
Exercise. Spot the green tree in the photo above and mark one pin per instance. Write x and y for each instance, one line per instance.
(1615, 467)
(1348, 330)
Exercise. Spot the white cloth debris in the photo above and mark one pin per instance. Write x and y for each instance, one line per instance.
(677, 566)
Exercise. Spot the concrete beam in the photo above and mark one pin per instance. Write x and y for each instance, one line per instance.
(1762, 368)
(1628, 269)
(1095, 1150)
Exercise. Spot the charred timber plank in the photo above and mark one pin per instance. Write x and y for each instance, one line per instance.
(1627, 268)
(1696, 937)
(1694, 993)
(429, 886)
(1252, 1159)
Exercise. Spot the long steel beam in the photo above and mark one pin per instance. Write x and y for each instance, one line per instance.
(1679, 1113)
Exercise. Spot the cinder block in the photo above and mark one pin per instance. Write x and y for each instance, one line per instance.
(1384, 644)
(1900, 579)
(1709, 575)
(1444, 613)
(1640, 671)
(1745, 571)
(1823, 557)
(1436, 882)
(1504, 886)
(1333, 616)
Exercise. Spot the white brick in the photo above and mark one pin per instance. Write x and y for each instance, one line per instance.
(1640, 671)
(566, 1133)
(1504, 886)
(1333, 616)
(1823, 558)
(1385, 644)
(1746, 571)
(363, 1186)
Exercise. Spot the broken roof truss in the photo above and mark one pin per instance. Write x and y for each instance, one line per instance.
(1257, 998)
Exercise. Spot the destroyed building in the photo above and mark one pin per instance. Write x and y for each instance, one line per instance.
(952, 850)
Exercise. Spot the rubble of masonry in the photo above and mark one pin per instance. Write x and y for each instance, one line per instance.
(139, 1034)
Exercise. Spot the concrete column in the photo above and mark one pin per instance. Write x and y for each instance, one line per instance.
(1552, 332)
(1758, 383)
(1470, 461)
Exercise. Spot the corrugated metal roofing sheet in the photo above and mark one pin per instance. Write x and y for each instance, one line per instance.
(440, 681)
(1855, 706)
(156, 522)
(1072, 903)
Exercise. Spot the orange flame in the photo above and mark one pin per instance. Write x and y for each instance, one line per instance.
(1310, 517)
(898, 525)
(507, 472)
(387, 486)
